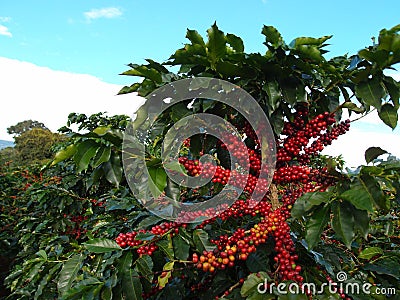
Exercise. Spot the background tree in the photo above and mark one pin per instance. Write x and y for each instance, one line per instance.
(24, 126)
(35, 145)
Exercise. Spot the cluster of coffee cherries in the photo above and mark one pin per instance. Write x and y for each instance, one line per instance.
(293, 173)
(75, 230)
(131, 239)
(223, 176)
(241, 243)
(300, 133)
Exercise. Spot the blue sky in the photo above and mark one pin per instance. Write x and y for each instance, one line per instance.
(100, 37)
(62, 56)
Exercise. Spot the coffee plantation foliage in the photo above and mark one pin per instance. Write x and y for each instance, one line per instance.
(74, 230)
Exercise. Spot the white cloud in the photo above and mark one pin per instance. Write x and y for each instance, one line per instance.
(39, 93)
(5, 31)
(107, 12)
(353, 144)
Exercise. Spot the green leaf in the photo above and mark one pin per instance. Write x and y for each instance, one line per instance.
(319, 42)
(293, 91)
(42, 254)
(343, 222)
(162, 281)
(362, 224)
(352, 107)
(216, 45)
(166, 247)
(158, 180)
(131, 285)
(194, 37)
(46, 278)
(145, 72)
(101, 245)
(370, 252)
(393, 88)
(307, 201)
(181, 247)
(102, 155)
(173, 189)
(257, 261)
(364, 192)
(272, 36)
(251, 285)
(371, 92)
(68, 273)
(201, 240)
(316, 225)
(388, 114)
(113, 169)
(85, 151)
(373, 152)
(274, 95)
(235, 42)
(386, 266)
(144, 265)
(309, 52)
(64, 154)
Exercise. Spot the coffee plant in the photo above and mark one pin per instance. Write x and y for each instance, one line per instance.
(74, 230)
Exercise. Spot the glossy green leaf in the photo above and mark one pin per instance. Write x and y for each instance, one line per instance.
(194, 37)
(42, 254)
(371, 92)
(370, 252)
(101, 245)
(272, 36)
(131, 284)
(45, 279)
(274, 95)
(201, 240)
(68, 273)
(373, 152)
(181, 247)
(257, 261)
(235, 42)
(253, 283)
(388, 114)
(352, 107)
(319, 42)
(316, 224)
(393, 88)
(343, 222)
(306, 202)
(385, 265)
(309, 52)
(143, 71)
(129, 89)
(144, 266)
(166, 247)
(102, 155)
(362, 222)
(216, 45)
(158, 180)
(64, 154)
(85, 151)
(113, 169)
(364, 193)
